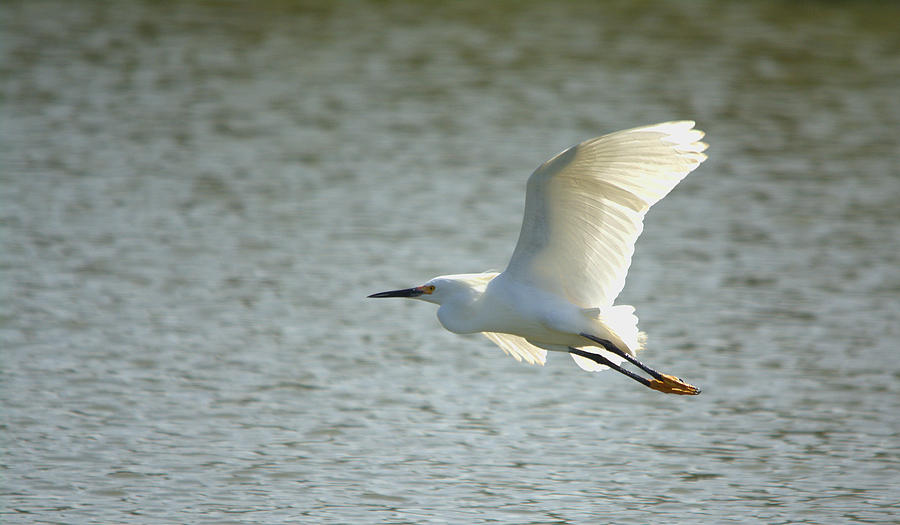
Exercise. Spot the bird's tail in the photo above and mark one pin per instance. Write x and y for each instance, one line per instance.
(619, 325)
(622, 320)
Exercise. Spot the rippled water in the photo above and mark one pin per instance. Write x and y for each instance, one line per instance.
(197, 197)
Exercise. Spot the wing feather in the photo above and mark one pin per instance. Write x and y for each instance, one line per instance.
(518, 347)
(584, 209)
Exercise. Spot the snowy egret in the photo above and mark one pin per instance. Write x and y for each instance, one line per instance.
(584, 210)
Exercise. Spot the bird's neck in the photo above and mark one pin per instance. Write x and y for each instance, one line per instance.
(461, 312)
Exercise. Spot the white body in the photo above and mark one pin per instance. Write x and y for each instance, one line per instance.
(584, 210)
(526, 321)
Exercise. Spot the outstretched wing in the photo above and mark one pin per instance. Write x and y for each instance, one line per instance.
(584, 209)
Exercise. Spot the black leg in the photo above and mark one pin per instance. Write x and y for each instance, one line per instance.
(605, 343)
(597, 358)
(660, 382)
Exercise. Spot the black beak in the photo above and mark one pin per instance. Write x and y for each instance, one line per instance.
(408, 292)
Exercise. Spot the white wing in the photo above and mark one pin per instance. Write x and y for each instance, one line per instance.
(584, 209)
(518, 348)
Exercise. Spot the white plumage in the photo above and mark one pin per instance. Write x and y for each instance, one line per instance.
(584, 210)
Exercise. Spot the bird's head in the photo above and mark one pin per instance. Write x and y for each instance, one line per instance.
(443, 289)
(427, 292)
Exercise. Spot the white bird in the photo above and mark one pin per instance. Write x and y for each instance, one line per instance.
(584, 210)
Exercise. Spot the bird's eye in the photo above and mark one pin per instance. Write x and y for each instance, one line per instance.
(429, 288)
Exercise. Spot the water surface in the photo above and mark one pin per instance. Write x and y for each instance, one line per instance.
(197, 197)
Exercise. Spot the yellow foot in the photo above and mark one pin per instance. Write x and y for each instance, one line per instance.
(672, 385)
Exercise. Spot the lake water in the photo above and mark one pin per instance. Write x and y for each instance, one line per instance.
(198, 196)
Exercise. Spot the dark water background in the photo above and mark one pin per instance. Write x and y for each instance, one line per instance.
(197, 197)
